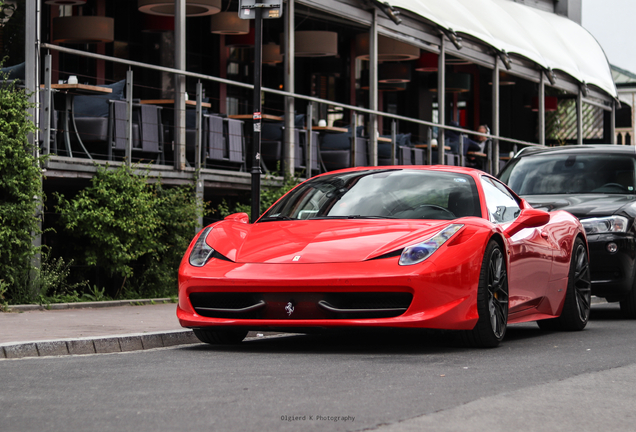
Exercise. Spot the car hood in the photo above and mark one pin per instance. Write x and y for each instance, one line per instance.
(584, 205)
(317, 241)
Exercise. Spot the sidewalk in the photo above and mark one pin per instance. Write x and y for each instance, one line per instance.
(92, 328)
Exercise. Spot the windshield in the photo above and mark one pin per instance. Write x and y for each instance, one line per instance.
(385, 194)
(571, 174)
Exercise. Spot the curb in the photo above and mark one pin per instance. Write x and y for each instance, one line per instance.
(98, 345)
(83, 305)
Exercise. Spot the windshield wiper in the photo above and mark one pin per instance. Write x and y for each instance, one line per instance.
(276, 218)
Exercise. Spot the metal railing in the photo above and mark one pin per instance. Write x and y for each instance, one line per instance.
(493, 140)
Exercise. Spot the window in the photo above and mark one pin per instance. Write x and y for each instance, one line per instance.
(502, 207)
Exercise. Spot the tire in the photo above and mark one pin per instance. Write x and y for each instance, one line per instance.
(578, 295)
(221, 337)
(628, 304)
(492, 300)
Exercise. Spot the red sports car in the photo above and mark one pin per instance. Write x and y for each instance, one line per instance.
(394, 247)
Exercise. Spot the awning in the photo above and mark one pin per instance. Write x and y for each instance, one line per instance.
(550, 40)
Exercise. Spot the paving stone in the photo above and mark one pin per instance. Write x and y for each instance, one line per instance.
(21, 350)
(52, 348)
(130, 343)
(179, 338)
(80, 347)
(151, 341)
(107, 345)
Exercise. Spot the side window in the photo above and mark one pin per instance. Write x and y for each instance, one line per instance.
(502, 207)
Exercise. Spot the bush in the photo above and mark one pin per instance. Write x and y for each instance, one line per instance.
(20, 192)
(135, 231)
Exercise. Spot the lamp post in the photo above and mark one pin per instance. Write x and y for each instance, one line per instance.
(253, 9)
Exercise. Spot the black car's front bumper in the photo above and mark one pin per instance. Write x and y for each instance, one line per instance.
(612, 273)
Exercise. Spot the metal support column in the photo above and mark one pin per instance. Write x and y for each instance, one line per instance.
(256, 106)
(393, 141)
(129, 116)
(441, 99)
(494, 153)
(354, 147)
(32, 80)
(613, 125)
(310, 142)
(32, 64)
(579, 117)
(373, 88)
(45, 123)
(290, 107)
(198, 152)
(542, 110)
(179, 84)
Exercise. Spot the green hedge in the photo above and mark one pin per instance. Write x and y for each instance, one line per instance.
(20, 194)
(134, 231)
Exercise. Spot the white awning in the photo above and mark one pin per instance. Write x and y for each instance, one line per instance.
(550, 40)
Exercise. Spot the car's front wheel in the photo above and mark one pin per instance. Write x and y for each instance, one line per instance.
(628, 304)
(492, 300)
(578, 296)
(220, 337)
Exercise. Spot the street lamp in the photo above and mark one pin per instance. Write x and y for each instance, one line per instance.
(258, 10)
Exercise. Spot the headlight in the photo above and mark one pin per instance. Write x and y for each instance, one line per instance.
(201, 252)
(417, 253)
(605, 224)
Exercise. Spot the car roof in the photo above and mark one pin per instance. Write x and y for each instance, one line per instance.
(586, 148)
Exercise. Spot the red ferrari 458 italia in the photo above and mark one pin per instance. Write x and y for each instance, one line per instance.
(393, 247)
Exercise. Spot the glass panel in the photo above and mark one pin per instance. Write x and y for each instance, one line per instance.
(391, 194)
(502, 206)
(571, 173)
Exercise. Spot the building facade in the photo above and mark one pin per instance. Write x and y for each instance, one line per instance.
(393, 77)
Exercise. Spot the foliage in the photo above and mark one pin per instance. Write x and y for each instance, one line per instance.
(4, 287)
(51, 280)
(178, 211)
(12, 17)
(20, 191)
(270, 193)
(135, 231)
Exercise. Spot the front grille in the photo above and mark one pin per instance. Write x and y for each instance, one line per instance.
(299, 306)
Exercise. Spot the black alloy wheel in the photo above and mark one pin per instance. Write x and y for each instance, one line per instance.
(492, 300)
(578, 296)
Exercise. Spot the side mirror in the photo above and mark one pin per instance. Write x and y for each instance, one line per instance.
(238, 217)
(529, 218)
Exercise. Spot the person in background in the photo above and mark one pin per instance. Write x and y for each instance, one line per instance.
(480, 145)
(482, 141)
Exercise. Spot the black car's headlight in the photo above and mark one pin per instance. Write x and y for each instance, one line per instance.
(201, 252)
(417, 253)
(605, 224)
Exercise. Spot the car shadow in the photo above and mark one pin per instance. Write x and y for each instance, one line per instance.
(347, 342)
(607, 312)
(415, 342)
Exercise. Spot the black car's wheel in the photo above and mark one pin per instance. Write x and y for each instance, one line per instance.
(628, 304)
(578, 296)
(222, 337)
(492, 300)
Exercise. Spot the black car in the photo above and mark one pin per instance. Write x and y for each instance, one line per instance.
(596, 183)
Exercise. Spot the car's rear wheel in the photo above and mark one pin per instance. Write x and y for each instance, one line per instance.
(578, 296)
(220, 337)
(492, 300)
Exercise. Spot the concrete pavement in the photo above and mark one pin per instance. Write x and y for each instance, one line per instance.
(86, 328)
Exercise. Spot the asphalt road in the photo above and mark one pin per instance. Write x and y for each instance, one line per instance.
(397, 382)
